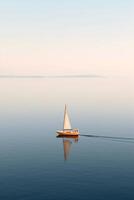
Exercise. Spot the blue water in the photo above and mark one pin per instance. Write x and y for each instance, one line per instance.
(32, 160)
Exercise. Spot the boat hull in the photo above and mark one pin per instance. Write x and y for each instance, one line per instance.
(68, 133)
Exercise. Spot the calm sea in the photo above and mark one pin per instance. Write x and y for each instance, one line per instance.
(36, 165)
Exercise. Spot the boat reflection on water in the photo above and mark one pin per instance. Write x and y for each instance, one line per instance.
(67, 142)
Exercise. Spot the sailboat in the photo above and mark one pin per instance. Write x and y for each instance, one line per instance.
(67, 130)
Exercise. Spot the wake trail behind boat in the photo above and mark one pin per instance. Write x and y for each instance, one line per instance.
(108, 137)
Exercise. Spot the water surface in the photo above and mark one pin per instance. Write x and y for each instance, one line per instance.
(35, 164)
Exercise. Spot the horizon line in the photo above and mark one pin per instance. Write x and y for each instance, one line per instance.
(54, 76)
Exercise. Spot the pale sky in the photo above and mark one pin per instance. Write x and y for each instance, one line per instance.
(66, 37)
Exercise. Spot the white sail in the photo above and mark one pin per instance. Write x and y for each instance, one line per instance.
(66, 124)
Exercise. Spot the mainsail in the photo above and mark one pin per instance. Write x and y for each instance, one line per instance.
(66, 123)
